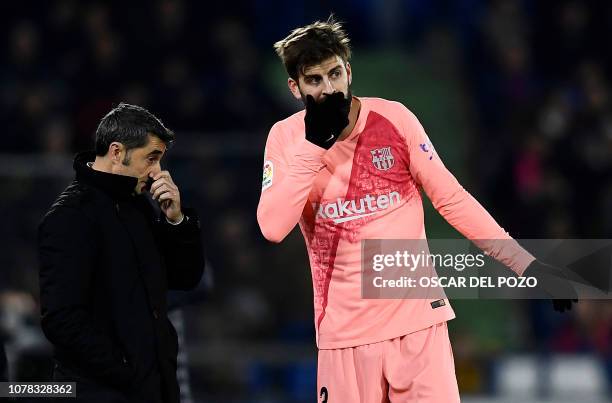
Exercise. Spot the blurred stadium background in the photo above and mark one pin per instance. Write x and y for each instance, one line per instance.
(515, 96)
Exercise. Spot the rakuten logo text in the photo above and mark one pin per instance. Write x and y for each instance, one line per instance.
(347, 210)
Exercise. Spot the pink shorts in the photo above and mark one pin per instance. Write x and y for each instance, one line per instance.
(415, 368)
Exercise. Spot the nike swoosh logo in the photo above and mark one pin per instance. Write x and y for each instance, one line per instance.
(351, 218)
(330, 138)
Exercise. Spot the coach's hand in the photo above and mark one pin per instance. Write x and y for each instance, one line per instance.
(167, 194)
(553, 282)
(325, 120)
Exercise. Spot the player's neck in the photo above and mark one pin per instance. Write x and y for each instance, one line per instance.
(353, 116)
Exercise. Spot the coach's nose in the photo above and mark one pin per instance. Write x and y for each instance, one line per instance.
(155, 169)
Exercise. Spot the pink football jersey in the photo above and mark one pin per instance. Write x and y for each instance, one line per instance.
(367, 186)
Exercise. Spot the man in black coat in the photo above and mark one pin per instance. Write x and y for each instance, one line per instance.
(110, 247)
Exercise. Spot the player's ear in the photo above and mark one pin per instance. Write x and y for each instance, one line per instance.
(294, 88)
(349, 73)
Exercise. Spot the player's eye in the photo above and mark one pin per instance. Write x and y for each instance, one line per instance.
(336, 73)
(313, 80)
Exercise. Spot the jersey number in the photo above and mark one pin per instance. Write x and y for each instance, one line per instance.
(323, 394)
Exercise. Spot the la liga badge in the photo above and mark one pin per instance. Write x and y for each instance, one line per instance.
(268, 175)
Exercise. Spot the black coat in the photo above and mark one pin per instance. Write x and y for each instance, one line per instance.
(107, 259)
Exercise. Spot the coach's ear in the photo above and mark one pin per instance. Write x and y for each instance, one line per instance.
(116, 152)
(294, 88)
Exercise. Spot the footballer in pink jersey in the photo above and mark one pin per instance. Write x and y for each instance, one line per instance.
(349, 169)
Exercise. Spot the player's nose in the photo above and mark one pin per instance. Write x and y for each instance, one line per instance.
(328, 88)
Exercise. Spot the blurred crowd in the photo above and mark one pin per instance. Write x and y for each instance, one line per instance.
(542, 82)
(64, 63)
(536, 80)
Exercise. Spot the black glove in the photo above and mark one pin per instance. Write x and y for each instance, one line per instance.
(553, 282)
(325, 120)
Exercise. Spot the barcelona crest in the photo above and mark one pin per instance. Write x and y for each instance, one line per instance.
(382, 158)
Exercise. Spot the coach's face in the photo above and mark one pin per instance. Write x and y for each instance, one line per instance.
(138, 162)
(331, 75)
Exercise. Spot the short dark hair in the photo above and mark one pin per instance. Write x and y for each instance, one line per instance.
(131, 126)
(312, 44)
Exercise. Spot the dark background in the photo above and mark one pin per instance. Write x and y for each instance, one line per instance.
(515, 95)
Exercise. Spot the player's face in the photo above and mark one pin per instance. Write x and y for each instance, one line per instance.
(331, 75)
(140, 162)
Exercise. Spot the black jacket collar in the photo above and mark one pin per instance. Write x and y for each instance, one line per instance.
(118, 187)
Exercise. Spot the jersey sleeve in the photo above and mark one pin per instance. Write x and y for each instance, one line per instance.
(458, 207)
(289, 171)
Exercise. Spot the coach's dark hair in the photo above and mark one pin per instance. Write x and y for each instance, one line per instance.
(130, 125)
(312, 44)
